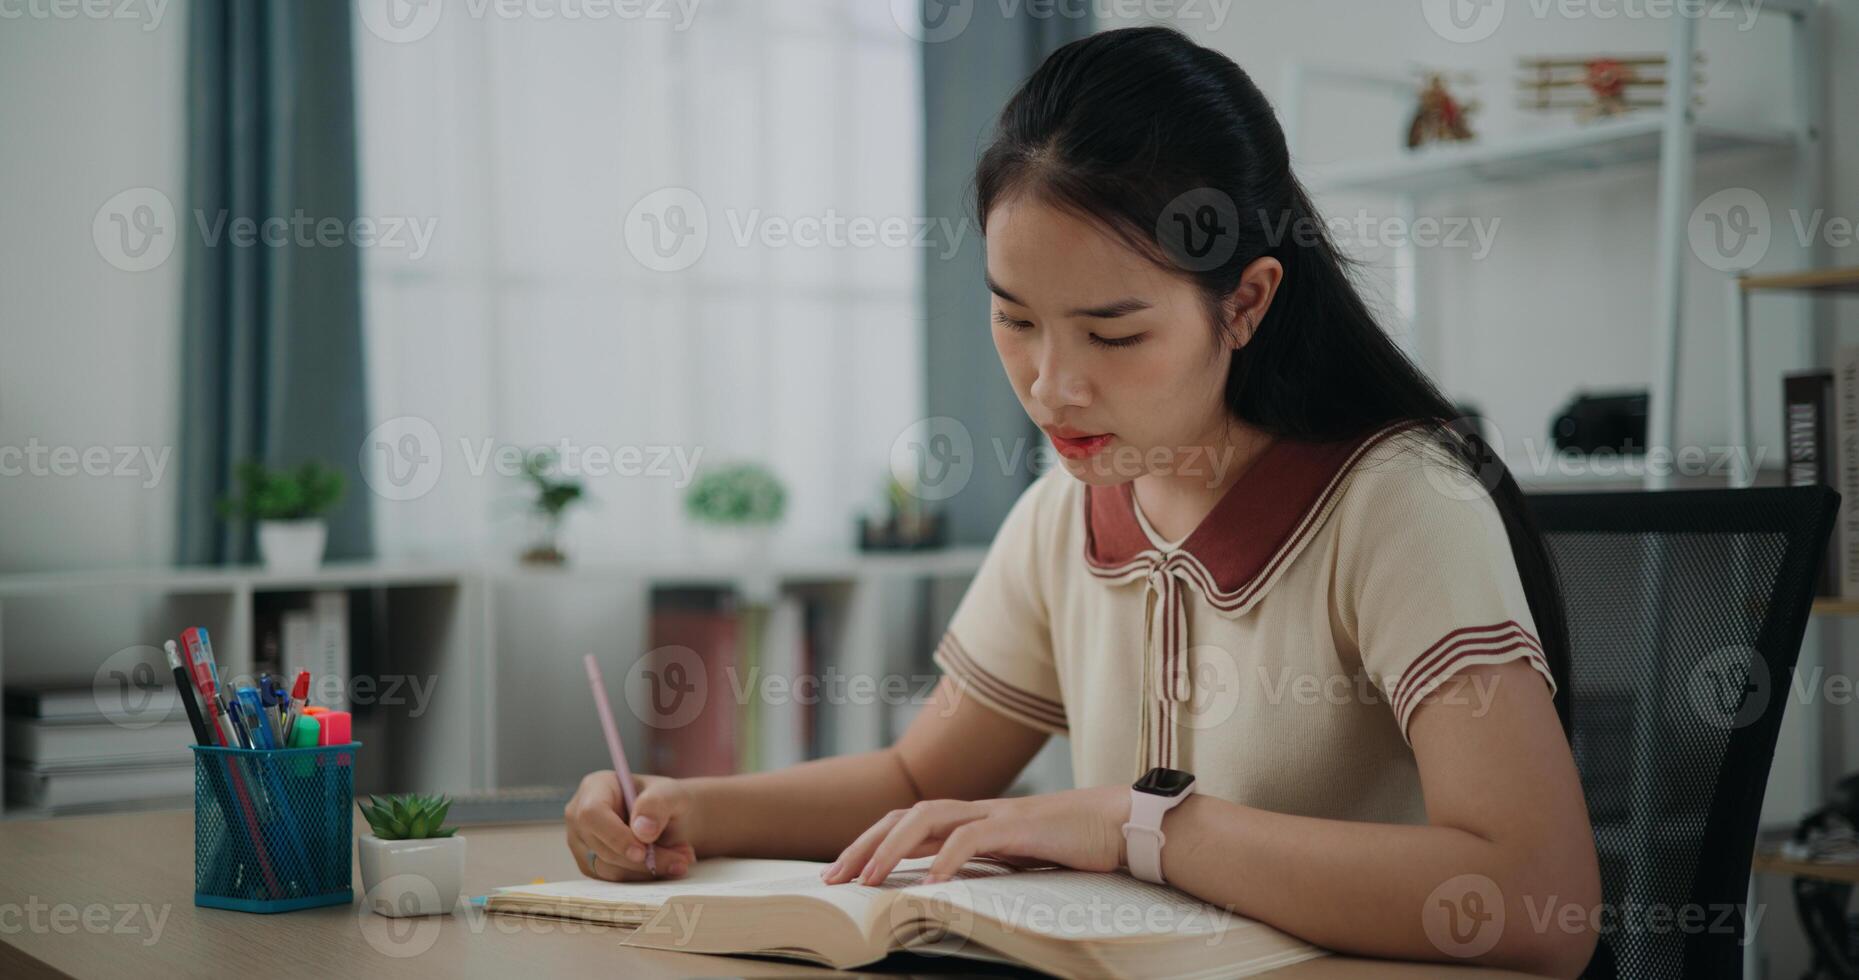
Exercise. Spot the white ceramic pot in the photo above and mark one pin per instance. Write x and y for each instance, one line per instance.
(292, 546)
(735, 544)
(412, 877)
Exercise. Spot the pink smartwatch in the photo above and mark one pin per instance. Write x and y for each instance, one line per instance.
(1151, 797)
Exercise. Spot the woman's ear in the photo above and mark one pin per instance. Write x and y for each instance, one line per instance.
(1250, 300)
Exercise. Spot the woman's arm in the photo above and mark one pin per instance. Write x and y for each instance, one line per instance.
(955, 748)
(1506, 825)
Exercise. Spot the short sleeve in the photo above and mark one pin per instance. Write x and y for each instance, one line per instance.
(998, 646)
(1427, 584)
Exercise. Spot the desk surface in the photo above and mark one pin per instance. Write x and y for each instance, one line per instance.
(112, 895)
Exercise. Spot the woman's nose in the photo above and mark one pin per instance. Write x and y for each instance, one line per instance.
(1057, 384)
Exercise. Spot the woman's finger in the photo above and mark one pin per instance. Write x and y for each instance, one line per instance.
(962, 844)
(853, 858)
(924, 821)
(582, 855)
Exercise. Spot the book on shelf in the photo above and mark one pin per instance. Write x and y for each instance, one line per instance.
(693, 722)
(1808, 439)
(314, 636)
(67, 702)
(80, 788)
(751, 667)
(76, 743)
(1062, 922)
(1845, 541)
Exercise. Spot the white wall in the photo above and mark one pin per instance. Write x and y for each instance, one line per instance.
(88, 352)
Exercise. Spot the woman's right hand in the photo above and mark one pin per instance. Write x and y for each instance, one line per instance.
(608, 848)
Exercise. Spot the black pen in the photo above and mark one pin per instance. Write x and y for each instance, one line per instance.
(185, 688)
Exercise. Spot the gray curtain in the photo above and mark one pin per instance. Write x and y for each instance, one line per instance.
(271, 336)
(967, 78)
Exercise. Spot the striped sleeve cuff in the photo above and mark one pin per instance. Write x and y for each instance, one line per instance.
(1473, 645)
(1024, 706)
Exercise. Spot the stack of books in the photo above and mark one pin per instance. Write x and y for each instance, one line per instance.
(64, 754)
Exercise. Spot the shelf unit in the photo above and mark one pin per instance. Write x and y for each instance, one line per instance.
(442, 622)
(1671, 136)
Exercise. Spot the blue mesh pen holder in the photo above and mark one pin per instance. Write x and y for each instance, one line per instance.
(272, 827)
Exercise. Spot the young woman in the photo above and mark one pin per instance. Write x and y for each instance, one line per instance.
(1270, 563)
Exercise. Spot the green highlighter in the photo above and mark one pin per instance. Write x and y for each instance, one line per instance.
(304, 731)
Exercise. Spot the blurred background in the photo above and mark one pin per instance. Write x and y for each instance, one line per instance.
(431, 346)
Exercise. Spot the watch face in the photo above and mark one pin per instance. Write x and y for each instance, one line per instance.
(1164, 782)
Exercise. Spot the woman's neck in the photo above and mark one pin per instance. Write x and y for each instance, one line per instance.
(1174, 499)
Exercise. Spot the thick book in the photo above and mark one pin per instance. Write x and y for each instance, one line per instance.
(82, 704)
(1807, 430)
(1846, 466)
(686, 688)
(32, 787)
(65, 743)
(1066, 923)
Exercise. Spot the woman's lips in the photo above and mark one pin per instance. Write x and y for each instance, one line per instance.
(1079, 447)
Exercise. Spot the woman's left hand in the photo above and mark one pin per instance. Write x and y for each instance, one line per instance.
(1080, 829)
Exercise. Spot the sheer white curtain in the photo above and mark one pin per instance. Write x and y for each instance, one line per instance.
(523, 141)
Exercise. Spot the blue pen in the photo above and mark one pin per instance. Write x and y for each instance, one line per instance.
(255, 718)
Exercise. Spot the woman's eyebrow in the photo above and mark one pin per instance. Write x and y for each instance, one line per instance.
(1107, 311)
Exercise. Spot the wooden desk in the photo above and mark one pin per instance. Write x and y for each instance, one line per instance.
(112, 896)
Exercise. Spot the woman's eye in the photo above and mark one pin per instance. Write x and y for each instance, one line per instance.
(1130, 341)
(1009, 322)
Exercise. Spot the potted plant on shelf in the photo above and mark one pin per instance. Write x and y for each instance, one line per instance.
(553, 496)
(735, 509)
(412, 864)
(290, 506)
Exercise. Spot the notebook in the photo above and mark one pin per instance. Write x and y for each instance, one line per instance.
(1062, 922)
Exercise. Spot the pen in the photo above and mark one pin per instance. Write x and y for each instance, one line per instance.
(184, 689)
(620, 770)
(299, 699)
(199, 657)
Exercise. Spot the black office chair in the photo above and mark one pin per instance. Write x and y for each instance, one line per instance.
(1685, 611)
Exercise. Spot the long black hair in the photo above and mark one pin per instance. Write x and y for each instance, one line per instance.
(1170, 146)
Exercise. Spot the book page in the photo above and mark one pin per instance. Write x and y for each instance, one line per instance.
(706, 875)
(1067, 904)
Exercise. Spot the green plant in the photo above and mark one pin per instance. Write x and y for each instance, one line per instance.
(310, 490)
(408, 817)
(738, 494)
(552, 495)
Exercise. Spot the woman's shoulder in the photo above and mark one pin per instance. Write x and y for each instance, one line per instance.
(1417, 474)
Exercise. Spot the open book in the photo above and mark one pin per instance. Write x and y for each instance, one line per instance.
(1068, 923)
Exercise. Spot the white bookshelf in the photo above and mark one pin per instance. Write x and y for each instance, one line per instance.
(441, 619)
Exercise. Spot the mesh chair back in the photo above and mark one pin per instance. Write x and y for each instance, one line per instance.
(1686, 611)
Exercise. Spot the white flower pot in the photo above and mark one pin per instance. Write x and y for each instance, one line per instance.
(412, 877)
(743, 545)
(292, 546)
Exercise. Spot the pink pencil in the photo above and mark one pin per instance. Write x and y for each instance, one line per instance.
(620, 769)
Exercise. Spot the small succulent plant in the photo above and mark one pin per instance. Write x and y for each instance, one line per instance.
(408, 817)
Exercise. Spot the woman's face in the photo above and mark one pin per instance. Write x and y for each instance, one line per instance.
(1110, 354)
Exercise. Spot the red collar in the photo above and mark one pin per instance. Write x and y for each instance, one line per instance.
(1256, 528)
